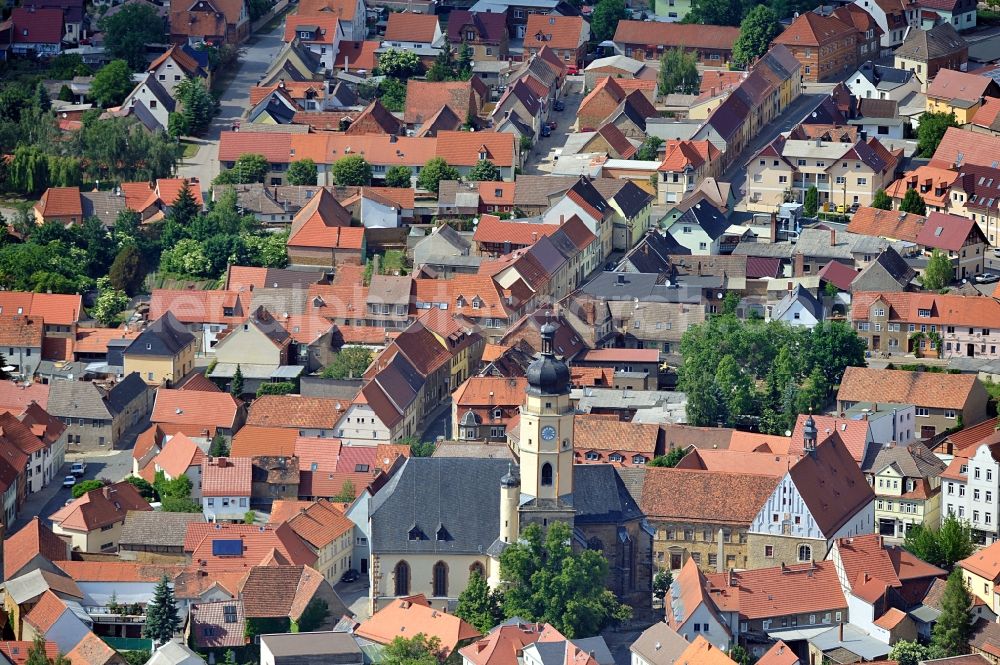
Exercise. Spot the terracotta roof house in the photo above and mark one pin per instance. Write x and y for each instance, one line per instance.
(606, 100)
(414, 31)
(825, 46)
(36, 31)
(93, 522)
(375, 119)
(643, 40)
(424, 99)
(214, 546)
(92, 650)
(60, 204)
(211, 412)
(310, 416)
(225, 487)
(273, 592)
(218, 625)
(599, 440)
(940, 398)
(960, 93)
(324, 527)
(415, 615)
(215, 21)
(33, 547)
(566, 36)
(321, 234)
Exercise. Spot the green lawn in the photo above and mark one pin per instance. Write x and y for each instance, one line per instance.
(190, 149)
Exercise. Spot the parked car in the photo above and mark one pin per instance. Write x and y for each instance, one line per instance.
(987, 278)
(558, 105)
(552, 124)
(350, 575)
(78, 468)
(572, 70)
(546, 132)
(69, 481)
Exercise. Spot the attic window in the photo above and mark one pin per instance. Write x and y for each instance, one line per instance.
(229, 613)
(148, 346)
(442, 533)
(361, 468)
(482, 155)
(460, 302)
(476, 303)
(314, 466)
(924, 313)
(415, 533)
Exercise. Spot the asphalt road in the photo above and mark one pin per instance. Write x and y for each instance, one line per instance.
(255, 57)
(542, 157)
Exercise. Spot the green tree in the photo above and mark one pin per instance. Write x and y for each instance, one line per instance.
(392, 94)
(736, 388)
(249, 517)
(463, 64)
(313, 616)
(678, 72)
(650, 149)
(349, 363)
(66, 94)
(416, 650)
(197, 105)
(881, 200)
(546, 581)
(248, 168)
(229, 658)
(236, 387)
(177, 125)
(112, 83)
(944, 546)
(757, 29)
(434, 171)
(398, 176)
(813, 392)
(939, 272)
(85, 486)
(146, 490)
(739, 655)
(418, 448)
(127, 32)
(479, 605)
(347, 493)
(661, 583)
(219, 447)
(810, 204)
(351, 170)
(719, 12)
(161, 614)
(126, 273)
(400, 64)
(954, 626)
(605, 17)
(37, 656)
(670, 460)
(28, 173)
(931, 131)
(484, 170)
(913, 203)
(908, 653)
(42, 101)
(136, 656)
(831, 347)
(110, 302)
(302, 172)
(443, 68)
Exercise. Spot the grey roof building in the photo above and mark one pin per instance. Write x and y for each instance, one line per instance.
(165, 336)
(651, 254)
(803, 297)
(658, 645)
(155, 531)
(97, 415)
(888, 272)
(316, 648)
(175, 653)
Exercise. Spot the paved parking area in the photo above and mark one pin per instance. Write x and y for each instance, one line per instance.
(355, 596)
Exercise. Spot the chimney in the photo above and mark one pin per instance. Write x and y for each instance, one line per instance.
(774, 227)
(833, 237)
(840, 632)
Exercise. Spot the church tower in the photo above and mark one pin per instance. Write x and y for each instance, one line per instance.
(545, 448)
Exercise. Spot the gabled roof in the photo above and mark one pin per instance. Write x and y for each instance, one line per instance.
(53, 309)
(293, 411)
(37, 26)
(941, 40)
(831, 484)
(414, 615)
(100, 507)
(782, 590)
(927, 389)
(165, 336)
(378, 115)
(669, 35)
(410, 27)
(258, 544)
(705, 496)
(31, 540)
(955, 86)
(557, 32)
(61, 202)
(281, 591)
(491, 27)
(467, 148)
(321, 222)
(947, 232)
(193, 407)
(985, 562)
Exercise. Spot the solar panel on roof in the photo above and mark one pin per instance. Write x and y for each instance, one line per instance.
(227, 547)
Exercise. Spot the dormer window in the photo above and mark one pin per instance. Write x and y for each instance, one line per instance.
(415, 533)
(497, 413)
(482, 154)
(442, 534)
(615, 457)
(476, 303)
(460, 302)
(924, 313)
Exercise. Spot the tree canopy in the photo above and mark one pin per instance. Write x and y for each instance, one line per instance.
(546, 581)
(810, 203)
(351, 170)
(248, 168)
(605, 17)
(434, 171)
(484, 170)
(881, 200)
(757, 29)
(678, 72)
(400, 64)
(760, 375)
(954, 627)
(939, 271)
(398, 176)
(650, 149)
(931, 131)
(913, 203)
(162, 620)
(479, 605)
(129, 30)
(302, 172)
(112, 83)
(944, 546)
(349, 363)
(416, 650)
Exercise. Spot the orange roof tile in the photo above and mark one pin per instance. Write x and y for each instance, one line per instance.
(414, 615)
(52, 308)
(192, 407)
(323, 222)
(467, 148)
(985, 562)
(812, 29)
(492, 229)
(410, 27)
(891, 224)
(226, 476)
(345, 9)
(95, 340)
(17, 652)
(46, 612)
(944, 309)
(294, 411)
(681, 155)
(853, 433)
(782, 590)
(327, 25)
(759, 443)
(735, 461)
(862, 384)
(100, 507)
(682, 494)
(892, 618)
(254, 440)
(31, 540)
(320, 523)
(16, 396)
(117, 571)
(61, 202)
(557, 32)
(779, 654)
(959, 147)
(357, 55)
(259, 544)
(178, 455)
(703, 652)
(189, 306)
(592, 433)
(92, 650)
(490, 391)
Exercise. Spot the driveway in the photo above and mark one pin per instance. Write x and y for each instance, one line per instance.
(255, 57)
(355, 596)
(542, 156)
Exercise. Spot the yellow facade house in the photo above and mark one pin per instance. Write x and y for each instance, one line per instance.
(907, 485)
(163, 353)
(960, 93)
(981, 573)
(93, 522)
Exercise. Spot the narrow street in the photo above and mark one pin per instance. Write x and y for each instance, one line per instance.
(543, 153)
(255, 57)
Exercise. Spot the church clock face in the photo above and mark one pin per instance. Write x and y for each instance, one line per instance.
(548, 433)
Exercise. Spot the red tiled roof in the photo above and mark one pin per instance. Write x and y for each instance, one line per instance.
(100, 507)
(226, 476)
(655, 33)
(414, 615)
(37, 25)
(465, 148)
(192, 407)
(34, 538)
(491, 229)
(556, 32)
(834, 272)
(949, 85)
(944, 231)
(960, 146)
(812, 29)
(357, 55)
(852, 432)
(17, 652)
(320, 523)
(409, 27)
(16, 396)
(254, 440)
(927, 389)
(61, 202)
(189, 306)
(985, 562)
(52, 308)
(46, 612)
(783, 590)
(259, 544)
(294, 411)
(178, 455)
(326, 24)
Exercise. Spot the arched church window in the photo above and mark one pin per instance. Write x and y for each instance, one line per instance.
(402, 579)
(440, 579)
(477, 569)
(546, 474)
